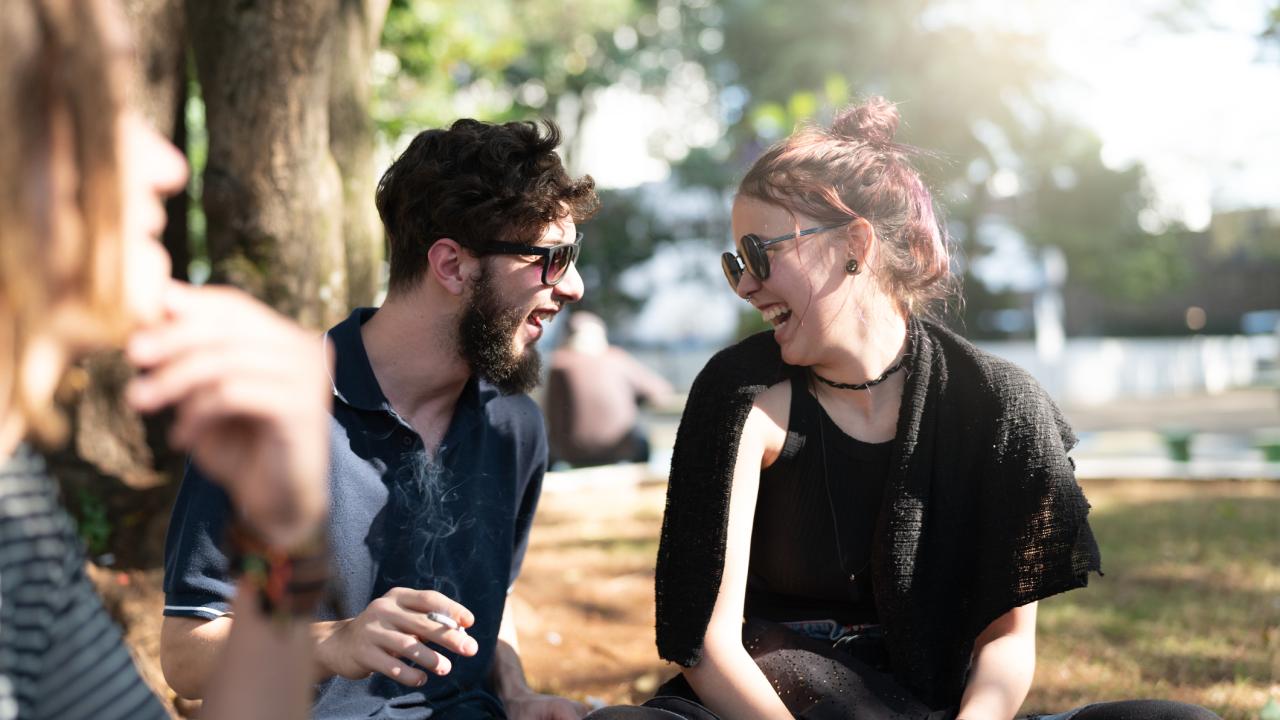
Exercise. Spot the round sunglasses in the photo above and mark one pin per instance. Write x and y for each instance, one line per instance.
(754, 259)
(556, 259)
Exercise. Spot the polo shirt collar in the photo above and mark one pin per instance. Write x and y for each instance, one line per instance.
(355, 384)
(353, 380)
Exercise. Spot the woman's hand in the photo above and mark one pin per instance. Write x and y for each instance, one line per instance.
(251, 392)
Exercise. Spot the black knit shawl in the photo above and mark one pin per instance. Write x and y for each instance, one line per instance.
(981, 512)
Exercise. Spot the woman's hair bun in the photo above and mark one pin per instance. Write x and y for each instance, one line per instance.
(874, 122)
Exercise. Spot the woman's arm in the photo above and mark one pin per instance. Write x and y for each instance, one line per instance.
(726, 678)
(265, 671)
(1004, 661)
(251, 394)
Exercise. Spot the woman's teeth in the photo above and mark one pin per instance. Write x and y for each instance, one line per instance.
(776, 314)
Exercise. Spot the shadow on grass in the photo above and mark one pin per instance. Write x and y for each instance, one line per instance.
(1191, 599)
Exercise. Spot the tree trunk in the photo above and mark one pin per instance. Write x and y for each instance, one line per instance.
(351, 140)
(159, 35)
(114, 466)
(272, 190)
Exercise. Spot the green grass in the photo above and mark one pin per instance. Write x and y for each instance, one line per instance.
(1189, 609)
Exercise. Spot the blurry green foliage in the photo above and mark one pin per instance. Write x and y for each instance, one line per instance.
(1271, 34)
(624, 233)
(516, 59)
(972, 95)
(197, 151)
(1090, 211)
(971, 91)
(522, 59)
(92, 521)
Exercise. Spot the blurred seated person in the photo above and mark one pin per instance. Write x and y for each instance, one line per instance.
(593, 396)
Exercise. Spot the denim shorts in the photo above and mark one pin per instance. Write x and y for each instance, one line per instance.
(832, 631)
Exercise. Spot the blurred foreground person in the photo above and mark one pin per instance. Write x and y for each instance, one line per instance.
(593, 396)
(437, 452)
(863, 507)
(81, 268)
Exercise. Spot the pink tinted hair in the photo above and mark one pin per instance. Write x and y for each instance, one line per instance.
(854, 170)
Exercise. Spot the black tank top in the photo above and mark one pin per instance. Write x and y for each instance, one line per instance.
(797, 571)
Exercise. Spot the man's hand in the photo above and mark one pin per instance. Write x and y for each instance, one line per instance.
(251, 392)
(536, 706)
(507, 676)
(392, 630)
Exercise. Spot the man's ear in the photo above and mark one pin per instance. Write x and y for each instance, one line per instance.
(451, 265)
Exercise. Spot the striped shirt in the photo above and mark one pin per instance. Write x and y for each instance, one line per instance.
(61, 656)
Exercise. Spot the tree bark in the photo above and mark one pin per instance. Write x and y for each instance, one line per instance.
(272, 190)
(160, 90)
(351, 140)
(115, 464)
(159, 36)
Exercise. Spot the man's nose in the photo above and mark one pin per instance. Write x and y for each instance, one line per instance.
(570, 287)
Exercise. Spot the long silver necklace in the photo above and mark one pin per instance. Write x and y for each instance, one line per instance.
(854, 593)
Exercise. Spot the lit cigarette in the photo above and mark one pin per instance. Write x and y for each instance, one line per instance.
(444, 620)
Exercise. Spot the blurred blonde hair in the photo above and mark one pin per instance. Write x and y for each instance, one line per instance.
(61, 266)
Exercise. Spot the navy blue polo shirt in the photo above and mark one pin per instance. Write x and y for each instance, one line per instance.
(459, 525)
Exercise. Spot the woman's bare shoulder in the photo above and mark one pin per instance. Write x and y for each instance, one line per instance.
(768, 420)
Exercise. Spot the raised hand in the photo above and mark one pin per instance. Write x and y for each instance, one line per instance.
(251, 392)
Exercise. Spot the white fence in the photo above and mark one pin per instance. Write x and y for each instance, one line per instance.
(1092, 371)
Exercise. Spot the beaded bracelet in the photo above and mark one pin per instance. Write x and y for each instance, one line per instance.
(289, 584)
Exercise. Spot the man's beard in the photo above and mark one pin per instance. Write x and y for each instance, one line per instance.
(485, 340)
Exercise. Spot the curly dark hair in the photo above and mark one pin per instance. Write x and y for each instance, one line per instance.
(476, 182)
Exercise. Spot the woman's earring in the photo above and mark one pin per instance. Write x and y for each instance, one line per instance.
(851, 267)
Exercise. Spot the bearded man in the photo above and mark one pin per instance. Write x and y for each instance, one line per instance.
(437, 454)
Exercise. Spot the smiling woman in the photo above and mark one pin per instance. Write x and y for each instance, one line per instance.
(863, 508)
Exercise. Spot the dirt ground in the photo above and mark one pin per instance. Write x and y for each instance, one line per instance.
(585, 601)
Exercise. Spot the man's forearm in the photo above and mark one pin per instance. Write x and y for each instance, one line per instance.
(507, 675)
(190, 650)
(508, 681)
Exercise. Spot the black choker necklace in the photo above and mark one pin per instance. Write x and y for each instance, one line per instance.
(902, 362)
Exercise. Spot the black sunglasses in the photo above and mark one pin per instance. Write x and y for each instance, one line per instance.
(556, 259)
(754, 259)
